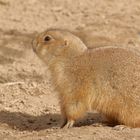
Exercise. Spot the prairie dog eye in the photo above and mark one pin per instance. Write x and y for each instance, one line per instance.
(47, 38)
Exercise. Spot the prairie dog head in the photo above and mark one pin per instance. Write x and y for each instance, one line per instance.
(55, 43)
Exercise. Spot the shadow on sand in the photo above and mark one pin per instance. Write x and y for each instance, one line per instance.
(22, 121)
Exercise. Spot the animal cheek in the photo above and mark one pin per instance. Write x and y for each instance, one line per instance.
(43, 51)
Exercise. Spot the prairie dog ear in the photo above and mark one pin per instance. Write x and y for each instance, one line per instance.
(66, 42)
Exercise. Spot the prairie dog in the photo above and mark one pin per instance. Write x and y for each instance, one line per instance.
(105, 79)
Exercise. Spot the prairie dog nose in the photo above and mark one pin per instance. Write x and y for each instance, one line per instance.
(34, 44)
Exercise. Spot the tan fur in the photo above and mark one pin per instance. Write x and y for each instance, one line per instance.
(105, 79)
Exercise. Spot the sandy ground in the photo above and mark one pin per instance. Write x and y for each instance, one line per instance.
(29, 107)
